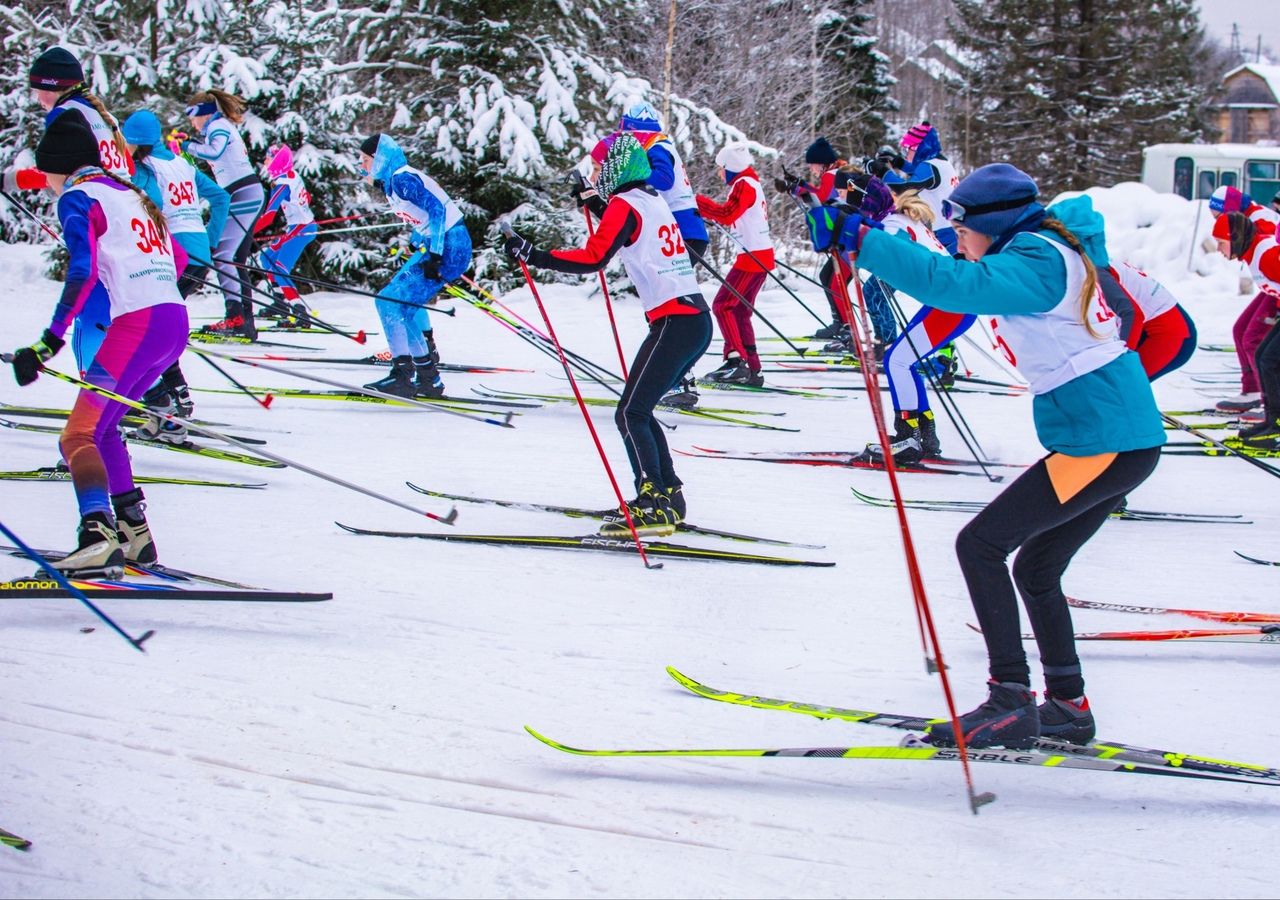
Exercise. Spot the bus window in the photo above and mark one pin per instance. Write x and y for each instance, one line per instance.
(1207, 181)
(1262, 180)
(1183, 173)
(1227, 178)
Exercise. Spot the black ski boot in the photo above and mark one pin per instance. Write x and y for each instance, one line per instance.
(734, 366)
(1008, 718)
(430, 338)
(1067, 720)
(97, 554)
(929, 443)
(132, 530)
(651, 514)
(399, 381)
(675, 496)
(829, 332)
(685, 396)
(907, 445)
(429, 383)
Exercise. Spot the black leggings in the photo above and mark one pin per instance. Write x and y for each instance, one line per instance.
(1027, 514)
(1266, 362)
(672, 345)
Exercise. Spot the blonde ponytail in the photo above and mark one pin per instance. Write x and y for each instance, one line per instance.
(81, 91)
(913, 206)
(1090, 287)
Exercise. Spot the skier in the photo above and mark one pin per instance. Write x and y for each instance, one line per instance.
(214, 116)
(638, 226)
(58, 85)
(1094, 412)
(288, 195)
(441, 251)
(1242, 238)
(1254, 323)
(116, 235)
(745, 212)
(1164, 336)
(923, 166)
(177, 188)
(915, 436)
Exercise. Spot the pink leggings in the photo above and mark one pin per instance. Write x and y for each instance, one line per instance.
(1248, 333)
(734, 317)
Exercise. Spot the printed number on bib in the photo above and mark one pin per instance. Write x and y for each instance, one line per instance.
(1104, 313)
(1003, 345)
(181, 193)
(149, 240)
(112, 160)
(672, 243)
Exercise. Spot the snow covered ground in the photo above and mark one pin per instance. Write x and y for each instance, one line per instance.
(373, 745)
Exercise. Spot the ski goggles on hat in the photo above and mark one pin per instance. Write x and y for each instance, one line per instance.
(956, 212)
(201, 109)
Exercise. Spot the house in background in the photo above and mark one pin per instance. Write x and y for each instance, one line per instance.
(1250, 111)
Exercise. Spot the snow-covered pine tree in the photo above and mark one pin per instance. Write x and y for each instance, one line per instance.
(1098, 83)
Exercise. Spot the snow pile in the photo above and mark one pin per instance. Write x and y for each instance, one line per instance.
(1166, 236)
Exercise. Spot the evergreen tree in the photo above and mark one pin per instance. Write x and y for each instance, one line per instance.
(1071, 90)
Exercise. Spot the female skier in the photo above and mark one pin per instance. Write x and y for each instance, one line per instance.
(745, 212)
(441, 252)
(177, 188)
(638, 225)
(117, 236)
(1239, 237)
(58, 85)
(1094, 412)
(288, 195)
(214, 116)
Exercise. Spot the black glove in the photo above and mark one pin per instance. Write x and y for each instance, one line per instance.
(878, 167)
(787, 184)
(585, 195)
(431, 266)
(518, 248)
(27, 361)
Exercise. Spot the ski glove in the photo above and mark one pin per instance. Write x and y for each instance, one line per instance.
(787, 184)
(838, 227)
(585, 195)
(431, 264)
(27, 361)
(519, 248)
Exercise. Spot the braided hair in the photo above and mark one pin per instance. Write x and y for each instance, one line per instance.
(148, 205)
(1090, 287)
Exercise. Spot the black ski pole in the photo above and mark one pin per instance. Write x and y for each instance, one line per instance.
(771, 273)
(720, 278)
(338, 288)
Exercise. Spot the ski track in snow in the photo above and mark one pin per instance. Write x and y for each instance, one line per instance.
(372, 745)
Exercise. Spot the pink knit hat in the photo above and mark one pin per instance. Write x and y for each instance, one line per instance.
(601, 149)
(279, 161)
(917, 134)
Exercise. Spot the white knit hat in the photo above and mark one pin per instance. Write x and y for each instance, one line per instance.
(735, 157)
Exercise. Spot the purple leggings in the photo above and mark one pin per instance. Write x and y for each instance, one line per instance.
(1248, 333)
(138, 347)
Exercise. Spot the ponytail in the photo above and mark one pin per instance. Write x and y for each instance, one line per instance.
(913, 206)
(230, 105)
(148, 205)
(1090, 287)
(81, 91)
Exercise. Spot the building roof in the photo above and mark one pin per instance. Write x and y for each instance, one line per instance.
(1268, 73)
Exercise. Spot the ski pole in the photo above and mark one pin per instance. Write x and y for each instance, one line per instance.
(359, 337)
(924, 615)
(264, 402)
(1183, 426)
(608, 304)
(720, 278)
(21, 207)
(586, 416)
(262, 238)
(772, 274)
(339, 288)
(505, 422)
(447, 519)
(71, 589)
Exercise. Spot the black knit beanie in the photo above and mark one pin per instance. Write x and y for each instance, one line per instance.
(820, 152)
(68, 144)
(370, 145)
(56, 69)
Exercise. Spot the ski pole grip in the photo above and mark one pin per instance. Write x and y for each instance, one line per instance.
(505, 227)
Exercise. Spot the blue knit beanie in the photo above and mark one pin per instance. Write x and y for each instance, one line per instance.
(820, 153)
(993, 199)
(640, 117)
(142, 129)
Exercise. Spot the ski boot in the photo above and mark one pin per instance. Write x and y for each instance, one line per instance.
(1241, 403)
(651, 514)
(430, 338)
(683, 397)
(1067, 720)
(278, 308)
(132, 531)
(929, 443)
(97, 554)
(731, 367)
(744, 376)
(675, 496)
(230, 325)
(428, 383)
(948, 366)
(907, 445)
(159, 429)
(399, 381)
(1007, 718)
(1263, 436)
(829, 332)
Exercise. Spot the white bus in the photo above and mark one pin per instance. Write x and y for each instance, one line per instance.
(1194, 171)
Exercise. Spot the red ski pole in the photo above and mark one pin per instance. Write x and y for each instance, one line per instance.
(860, 331)
(586, 416)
